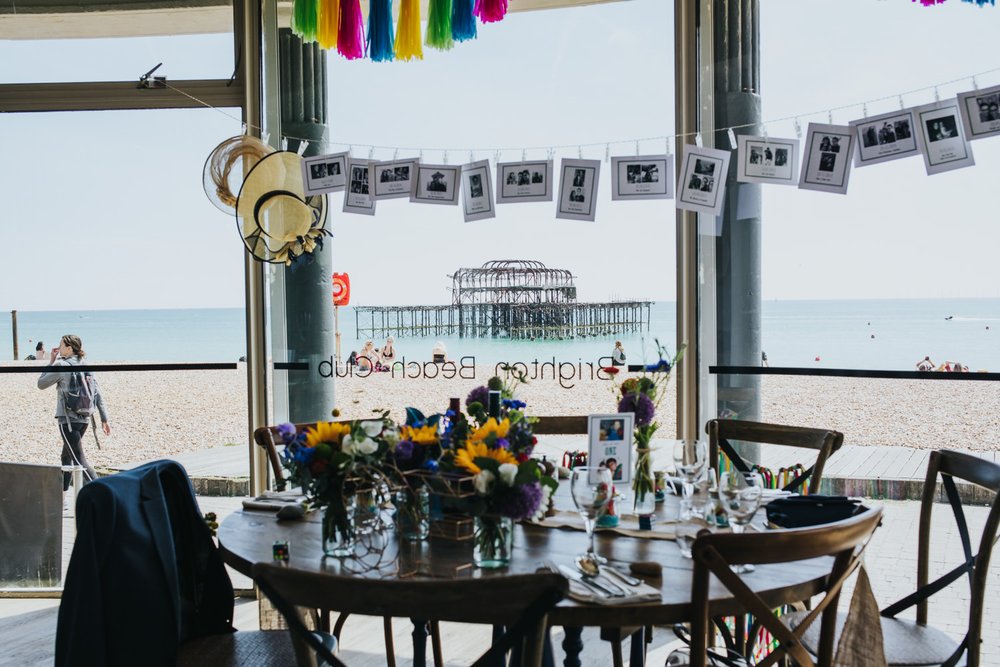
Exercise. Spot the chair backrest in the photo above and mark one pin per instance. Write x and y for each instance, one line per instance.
(560, 425)
(714, 553)
(824, 441)
(268, 439)
(950, 466)
(519, 602)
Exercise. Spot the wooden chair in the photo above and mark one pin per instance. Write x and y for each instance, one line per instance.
(825, 442)
(267, 439)
(519, 602)
(915, 642)
(713, 554)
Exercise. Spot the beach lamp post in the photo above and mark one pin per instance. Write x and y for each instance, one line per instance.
(341, 297)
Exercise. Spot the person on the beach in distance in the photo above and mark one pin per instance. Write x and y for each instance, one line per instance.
(367, 357)
(71, 426)
(618, 354)
(39, 354)
(439, 354)
(388, 353)
(763, 359)
(925, 364)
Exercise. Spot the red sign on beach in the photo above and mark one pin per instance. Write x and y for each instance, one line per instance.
(341, 289)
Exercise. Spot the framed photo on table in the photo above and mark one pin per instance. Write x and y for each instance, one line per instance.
(436, 184)
(392, 179)
(642, 177)
(890, 136)
(325, 173)
(767, 160)
(578, 189)
(611, 443)
(939, 128)
(524, 181)
(980, 112)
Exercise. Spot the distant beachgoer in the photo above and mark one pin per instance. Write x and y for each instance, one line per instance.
(618, 354)
(958, 368)
(439, 354)
(925, 364)
(72, 426)
(763, 359)
(367, 357)
(39, 353)
(388, 352)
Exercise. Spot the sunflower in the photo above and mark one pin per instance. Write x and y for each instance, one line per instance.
(424, 435)
(466, 457)
(331, 432)
(491, 427)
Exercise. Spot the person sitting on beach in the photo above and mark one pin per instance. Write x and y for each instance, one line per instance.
(387, 354)
(618, 354)
(39, 353)
(367, 357)
(925, 364)
(439, 354)
(958, 368)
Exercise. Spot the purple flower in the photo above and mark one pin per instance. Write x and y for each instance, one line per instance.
(501, 443)
(522, 502)
(641, 405)
(286, 431)
(479, 395)
(404, 450)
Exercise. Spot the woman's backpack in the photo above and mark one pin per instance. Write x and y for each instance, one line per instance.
(80, 395)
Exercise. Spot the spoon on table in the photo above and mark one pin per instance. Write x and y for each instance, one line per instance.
(591, 570)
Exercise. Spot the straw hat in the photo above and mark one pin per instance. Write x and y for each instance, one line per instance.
(226, 165)
(278, 222)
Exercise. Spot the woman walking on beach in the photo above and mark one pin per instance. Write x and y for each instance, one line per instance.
(72, 425)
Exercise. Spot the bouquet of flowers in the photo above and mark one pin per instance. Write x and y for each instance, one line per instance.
(642, 395)
(332, 462)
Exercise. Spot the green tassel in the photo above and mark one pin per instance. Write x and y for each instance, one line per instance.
(439, 25)
(305, 19)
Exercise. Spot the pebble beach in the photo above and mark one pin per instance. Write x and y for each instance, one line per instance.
(162, 414)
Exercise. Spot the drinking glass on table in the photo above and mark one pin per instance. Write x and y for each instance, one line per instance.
(591, 491)
(690, 460)
(740, 496)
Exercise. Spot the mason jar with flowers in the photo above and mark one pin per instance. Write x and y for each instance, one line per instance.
(416, 454)
(332, 462)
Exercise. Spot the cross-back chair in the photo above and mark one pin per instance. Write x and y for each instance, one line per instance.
(518, 602)
(713, 554)
(915, 642)
(824, 441)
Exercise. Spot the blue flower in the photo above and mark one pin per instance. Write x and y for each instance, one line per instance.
(431, 464)
(501, 443)
(303, 455)
(514, 404)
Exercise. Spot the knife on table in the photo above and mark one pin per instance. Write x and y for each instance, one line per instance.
(570, 573)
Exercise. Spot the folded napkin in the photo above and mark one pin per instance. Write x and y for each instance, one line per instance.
(771, 494)
(272, 501)
(634, 594)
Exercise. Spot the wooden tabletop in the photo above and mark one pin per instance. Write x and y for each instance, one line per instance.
(247, 537)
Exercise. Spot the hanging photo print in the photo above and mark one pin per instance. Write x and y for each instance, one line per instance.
(578, 189)
(325, 173)
(392, 179)
(767, 160)
(939, 127)
(701, 186)
(642, 177)
(610, 443)
(980, 112)
(477, 191)
(436, 184)
(826, 165)
(357, 198)
(887, 137)
(524, 181)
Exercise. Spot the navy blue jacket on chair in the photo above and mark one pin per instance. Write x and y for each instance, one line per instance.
(145, 574)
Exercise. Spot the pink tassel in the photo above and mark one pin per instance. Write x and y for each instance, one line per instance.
(351, 36)
(490, 11)
(929, 3)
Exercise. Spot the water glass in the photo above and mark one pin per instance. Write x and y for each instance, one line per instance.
(690, 460)
(740, 495)
(686, 532)
(591, 491)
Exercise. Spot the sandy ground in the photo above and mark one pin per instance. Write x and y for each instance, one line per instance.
(156, 414)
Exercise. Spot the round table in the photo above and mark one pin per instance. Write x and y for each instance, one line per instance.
(247, 537)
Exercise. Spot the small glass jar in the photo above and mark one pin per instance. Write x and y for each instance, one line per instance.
(413, 509)
(494, 540)
(339, 530)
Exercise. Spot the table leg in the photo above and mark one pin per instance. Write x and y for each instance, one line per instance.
(573, 646)
(419, 643)
(637, 655)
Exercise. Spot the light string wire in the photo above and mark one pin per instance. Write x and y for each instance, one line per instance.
(676, 137)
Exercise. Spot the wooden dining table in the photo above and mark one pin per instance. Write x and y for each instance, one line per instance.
(247, 537)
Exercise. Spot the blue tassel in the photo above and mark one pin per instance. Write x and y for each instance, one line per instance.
(982, 2)
(463, 23)
(380, 39)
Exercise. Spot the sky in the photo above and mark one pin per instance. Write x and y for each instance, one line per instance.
(105, 210)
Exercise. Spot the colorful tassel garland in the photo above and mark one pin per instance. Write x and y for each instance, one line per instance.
(305, 14)
(982, 2)
(329, 19)
(380, 30)
(463, 23)
(491, 11)
(351, 34)
(439, 25)
(408, 44)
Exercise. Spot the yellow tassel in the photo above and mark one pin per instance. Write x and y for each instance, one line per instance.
(329, 17)
(409, 44)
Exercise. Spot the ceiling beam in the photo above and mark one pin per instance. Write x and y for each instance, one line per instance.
(118, 95)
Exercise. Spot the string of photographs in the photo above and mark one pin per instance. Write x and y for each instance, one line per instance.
(940, 132)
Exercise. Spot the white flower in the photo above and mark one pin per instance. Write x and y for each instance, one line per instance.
(354, 447)
(372, 427)
(543, 506)
(391, 437)
(483, 481)
(508, 471)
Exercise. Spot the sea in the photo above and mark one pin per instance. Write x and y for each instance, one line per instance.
(860, 334)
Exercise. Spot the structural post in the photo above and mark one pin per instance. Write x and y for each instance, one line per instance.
(13, 326)
(309, 316)
(736, 39)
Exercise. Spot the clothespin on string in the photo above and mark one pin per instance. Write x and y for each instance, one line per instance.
(156, 82)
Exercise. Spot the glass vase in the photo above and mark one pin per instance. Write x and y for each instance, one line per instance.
(339, 528)
(645, 503)
(643, 484)
(413, 508)
(494, 539)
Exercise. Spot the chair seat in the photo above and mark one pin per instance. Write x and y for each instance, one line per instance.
(258, 647)
(906, 643)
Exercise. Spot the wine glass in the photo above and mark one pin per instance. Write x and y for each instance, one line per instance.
(740, 495)
(690, 460)
(591, 490)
